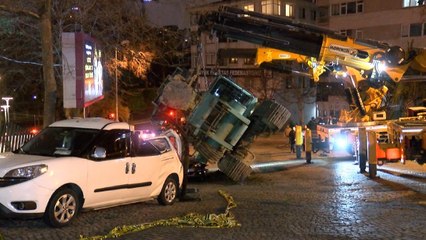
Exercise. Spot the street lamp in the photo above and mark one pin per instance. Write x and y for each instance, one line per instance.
(116, 86)
(6, 108)
(123, 43)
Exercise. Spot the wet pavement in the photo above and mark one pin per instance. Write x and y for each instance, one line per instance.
(284, 198)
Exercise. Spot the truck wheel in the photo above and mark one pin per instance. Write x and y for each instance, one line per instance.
(62, 208)
(168, 193)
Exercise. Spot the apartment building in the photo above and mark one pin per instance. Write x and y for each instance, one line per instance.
(397, 22)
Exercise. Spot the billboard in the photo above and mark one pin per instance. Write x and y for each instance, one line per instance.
(81, 70)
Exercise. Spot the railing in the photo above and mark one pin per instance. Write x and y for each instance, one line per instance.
(12, 137)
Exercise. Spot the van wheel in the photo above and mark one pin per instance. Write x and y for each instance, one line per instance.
(62, 208)
(169, 192)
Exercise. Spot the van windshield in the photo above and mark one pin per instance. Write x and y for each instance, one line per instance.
(62, 141)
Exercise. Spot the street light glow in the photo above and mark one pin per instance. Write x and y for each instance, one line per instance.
(6, 108)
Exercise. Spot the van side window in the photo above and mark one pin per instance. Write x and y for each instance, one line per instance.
(116, 143)
(152, 147)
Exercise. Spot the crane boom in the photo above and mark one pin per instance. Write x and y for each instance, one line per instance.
(360, 61)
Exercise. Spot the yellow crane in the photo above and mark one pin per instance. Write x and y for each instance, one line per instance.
(365, 65)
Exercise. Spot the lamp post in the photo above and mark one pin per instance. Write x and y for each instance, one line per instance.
(6, 108)
(116, 86)
(123, 43)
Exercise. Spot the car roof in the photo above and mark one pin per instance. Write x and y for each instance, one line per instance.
(91, 123)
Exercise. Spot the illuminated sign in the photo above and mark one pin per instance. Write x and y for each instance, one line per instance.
(236, 72)
(82, 70)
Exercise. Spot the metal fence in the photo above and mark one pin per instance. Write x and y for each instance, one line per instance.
(12, 137)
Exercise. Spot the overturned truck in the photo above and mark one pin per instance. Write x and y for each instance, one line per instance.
(218, 124)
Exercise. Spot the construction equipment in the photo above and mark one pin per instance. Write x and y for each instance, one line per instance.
(366, 66)
(219, 124)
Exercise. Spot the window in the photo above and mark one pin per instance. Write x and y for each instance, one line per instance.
(347, 8)
(302, 13)
(343, 8)
(348, 32)
(313, 15)
(359, 34)
(359, 6)
(424, 29)
(335, 10)
(413, 3)
(152, 147)
(351, 8)
(210, 59)
(249, 7)
(233, 60)
(289, 10)
(271, 7)
(405, 30)
(415, 29)
(116, 143)
(248, 61)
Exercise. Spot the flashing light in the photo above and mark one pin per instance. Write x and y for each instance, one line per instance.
(147, 134)
(111, 116)
(171, 113)
(34, 131)
(381, 67)
(341, 143)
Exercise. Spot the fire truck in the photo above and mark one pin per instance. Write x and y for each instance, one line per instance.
(219, 124)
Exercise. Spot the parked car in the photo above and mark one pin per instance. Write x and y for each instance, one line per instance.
(86, 164)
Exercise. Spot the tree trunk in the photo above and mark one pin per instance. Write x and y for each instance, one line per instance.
(47, 59)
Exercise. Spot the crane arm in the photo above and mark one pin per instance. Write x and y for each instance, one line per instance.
(282, 38)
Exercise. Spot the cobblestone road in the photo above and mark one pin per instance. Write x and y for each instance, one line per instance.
(327, 199)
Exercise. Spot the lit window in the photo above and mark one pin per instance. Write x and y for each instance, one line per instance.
(289, 10)
(233, 60)
(271, 7)
(413, 3)
(249, 7)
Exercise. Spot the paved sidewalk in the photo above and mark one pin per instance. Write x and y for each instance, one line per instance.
(276, 148)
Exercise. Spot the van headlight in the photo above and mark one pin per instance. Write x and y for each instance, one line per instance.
(28, 172)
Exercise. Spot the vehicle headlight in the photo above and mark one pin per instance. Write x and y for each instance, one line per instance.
(28, 172)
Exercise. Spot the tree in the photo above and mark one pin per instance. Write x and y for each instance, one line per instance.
(42, 16)
(34, 33)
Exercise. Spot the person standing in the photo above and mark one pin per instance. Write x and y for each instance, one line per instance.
(287, 131)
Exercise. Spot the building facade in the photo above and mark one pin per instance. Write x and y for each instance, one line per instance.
(397, 22)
